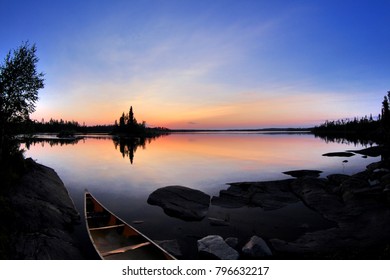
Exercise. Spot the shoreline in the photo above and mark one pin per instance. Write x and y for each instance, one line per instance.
(358, 204)
(44, 217)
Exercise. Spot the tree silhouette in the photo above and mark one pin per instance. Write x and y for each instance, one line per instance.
(386, 110)
(19, 85)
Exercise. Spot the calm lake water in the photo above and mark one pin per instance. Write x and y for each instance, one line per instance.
(123, 180)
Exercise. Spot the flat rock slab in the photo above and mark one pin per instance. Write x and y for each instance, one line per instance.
(372, 151)
(181, 202)
(269, 195)
(339, 154)
(303, 173)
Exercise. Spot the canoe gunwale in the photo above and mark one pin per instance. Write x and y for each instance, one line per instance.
(121, 249)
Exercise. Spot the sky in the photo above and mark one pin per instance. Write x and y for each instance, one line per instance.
(201, 64)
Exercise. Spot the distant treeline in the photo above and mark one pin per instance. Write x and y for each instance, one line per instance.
(366, 128)
(127, 126)
(57, 126)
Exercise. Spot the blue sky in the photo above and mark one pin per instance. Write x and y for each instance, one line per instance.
(205, 64)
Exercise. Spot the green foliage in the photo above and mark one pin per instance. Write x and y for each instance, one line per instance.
(19, 84)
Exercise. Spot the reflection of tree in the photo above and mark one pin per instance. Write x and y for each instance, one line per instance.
(28, 141)
(128, 145)
(349, 139)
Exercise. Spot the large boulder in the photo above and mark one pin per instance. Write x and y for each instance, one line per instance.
(215, 246)
(181, 202)
(44, 216)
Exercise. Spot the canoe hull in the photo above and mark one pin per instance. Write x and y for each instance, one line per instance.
(114, 239)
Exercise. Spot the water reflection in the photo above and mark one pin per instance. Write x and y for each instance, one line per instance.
(128, 145)
(51, 141)
(349, 140)
(205, 162)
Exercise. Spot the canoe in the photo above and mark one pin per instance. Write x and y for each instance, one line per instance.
(114, 239)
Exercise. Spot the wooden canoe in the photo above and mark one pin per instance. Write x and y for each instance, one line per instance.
(114, 239)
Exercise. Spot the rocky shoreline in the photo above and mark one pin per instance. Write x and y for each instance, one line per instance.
(44, 217)
(357, 205)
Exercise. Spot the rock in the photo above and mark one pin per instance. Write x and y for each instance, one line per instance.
(45, 216)
(217, 247)
(256, 247)
(232, 242)
(171, 246)
(181, 202)
(374, 165)
(317, 195)
(337, 179)
(372, 151)
(269, 195)
(339, 154)
(354, 184)
(303, 173)
(385, 179)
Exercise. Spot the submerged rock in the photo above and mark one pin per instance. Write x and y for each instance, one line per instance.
(181, 202)
(218, 222)
(215, 246)
(171, 246)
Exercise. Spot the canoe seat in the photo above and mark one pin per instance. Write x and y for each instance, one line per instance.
(125, 249)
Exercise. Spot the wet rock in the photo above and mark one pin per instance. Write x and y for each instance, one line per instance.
(339, 154)
(269, 195)
(217, 247)
(181, 202)
(256, 247)
(303, 173)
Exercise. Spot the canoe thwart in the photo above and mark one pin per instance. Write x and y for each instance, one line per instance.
(125, 249)
(107, 227)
